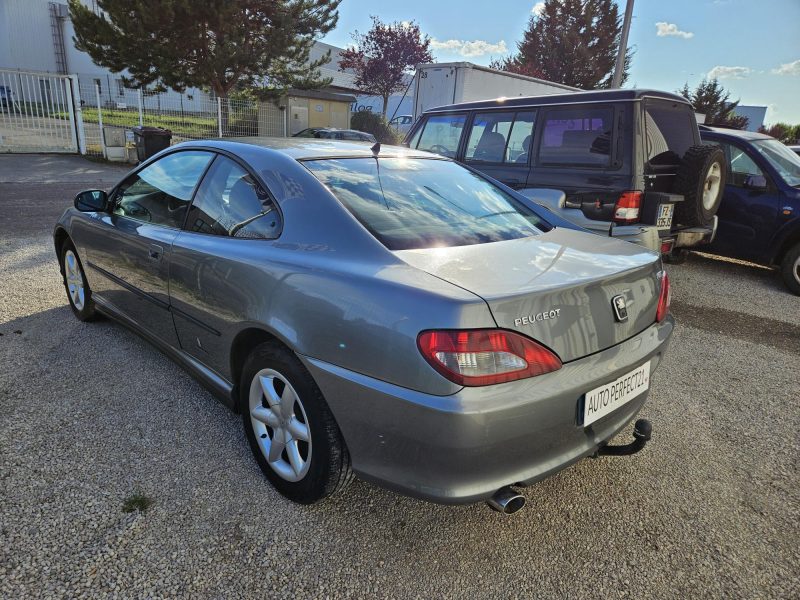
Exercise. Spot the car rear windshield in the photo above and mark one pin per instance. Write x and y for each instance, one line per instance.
(409, 203)
(669, 128)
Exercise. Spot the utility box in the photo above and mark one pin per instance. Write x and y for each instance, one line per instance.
(440, 84)
(150, 141)
(114, 138)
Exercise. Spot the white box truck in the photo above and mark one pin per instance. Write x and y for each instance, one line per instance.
(439, 84)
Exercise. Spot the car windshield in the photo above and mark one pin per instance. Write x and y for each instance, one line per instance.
(783, 160)
(409, 203)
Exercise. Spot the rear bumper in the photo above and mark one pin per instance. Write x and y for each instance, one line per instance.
(462, 448)
(694, 236)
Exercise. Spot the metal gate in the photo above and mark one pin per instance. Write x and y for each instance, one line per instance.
(37, 112)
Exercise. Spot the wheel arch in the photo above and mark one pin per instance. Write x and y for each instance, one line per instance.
(789, 241)
(60, 236)
(242, 345)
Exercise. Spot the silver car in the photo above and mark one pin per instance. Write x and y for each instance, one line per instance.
(378, 311)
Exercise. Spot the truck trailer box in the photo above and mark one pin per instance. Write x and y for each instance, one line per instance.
(439, 84)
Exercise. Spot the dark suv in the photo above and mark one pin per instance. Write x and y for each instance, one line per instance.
(626, 163)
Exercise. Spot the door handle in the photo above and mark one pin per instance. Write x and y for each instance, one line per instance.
(155, 252)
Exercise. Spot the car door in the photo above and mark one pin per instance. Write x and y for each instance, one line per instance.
(130, 249)
(747, 216)
(499, 145)
(216, 272)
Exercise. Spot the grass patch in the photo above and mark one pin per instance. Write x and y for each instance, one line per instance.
(130, 118)
(136, 502)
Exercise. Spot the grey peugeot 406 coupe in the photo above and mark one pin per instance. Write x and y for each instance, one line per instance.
(377, 311)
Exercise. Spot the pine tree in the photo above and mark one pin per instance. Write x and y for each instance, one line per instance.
(712, 100)
(573, 42)
(217, 44)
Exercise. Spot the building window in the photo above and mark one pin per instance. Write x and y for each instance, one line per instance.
(120, 87)
(99, 85)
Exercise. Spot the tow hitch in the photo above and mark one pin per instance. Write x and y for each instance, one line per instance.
(642, 432)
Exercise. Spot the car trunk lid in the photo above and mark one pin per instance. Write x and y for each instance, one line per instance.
(556, 288)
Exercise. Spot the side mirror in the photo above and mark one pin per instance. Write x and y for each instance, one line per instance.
(755, 182)
(91, 201)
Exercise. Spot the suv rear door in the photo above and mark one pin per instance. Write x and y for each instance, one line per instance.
(670, 129)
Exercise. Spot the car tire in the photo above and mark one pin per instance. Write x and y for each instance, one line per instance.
(701, 182)
(790, 269)
(78, 292)
(281, 405)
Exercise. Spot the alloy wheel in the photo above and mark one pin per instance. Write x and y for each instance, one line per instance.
(280, 425)
(74, 278)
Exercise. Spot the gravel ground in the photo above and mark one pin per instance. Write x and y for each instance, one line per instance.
(93, 415)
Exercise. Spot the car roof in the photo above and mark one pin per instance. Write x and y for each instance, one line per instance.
(734, 133)
(566, 98)
(307, 148)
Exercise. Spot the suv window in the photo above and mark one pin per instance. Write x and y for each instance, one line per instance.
(740, 165)
(500, 137)
(160, 192)
(577, 136)
(439, 134)
(423, 203)
(231, 202)
(669, 132)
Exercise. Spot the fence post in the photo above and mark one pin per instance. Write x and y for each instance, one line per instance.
(100, 121)
(74, 102)
(219, 115)
(141, 117)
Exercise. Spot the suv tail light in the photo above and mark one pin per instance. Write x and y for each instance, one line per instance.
(474, 357)
(627, 208)
(664, 298)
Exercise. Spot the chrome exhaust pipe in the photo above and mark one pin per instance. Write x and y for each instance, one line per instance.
(506, 501)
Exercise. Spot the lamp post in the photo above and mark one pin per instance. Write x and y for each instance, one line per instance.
(623, 45)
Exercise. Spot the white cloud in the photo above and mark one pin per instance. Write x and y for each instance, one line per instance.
(538, 9)
(792, 68)
(469, 49)
(664, 29)
(721, 72)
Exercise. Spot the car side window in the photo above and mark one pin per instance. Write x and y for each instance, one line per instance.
(501, 137)
(577, 136)
(740, 165)
(440, 134)
(160, 193)
(488, 137)
(230, 202)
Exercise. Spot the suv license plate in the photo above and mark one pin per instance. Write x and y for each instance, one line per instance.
(664, 220)
(605, 399)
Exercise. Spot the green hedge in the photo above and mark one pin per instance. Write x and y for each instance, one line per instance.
(376, 124)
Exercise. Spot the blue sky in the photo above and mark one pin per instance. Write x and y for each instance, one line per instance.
(753, 46)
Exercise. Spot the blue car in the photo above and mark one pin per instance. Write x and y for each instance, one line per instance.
(759, 218)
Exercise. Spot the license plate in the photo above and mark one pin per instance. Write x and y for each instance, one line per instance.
(609, 397)
(664, 220)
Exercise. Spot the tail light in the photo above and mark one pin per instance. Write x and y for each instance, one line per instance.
(664, 298)
(627, 207)
(474, 357)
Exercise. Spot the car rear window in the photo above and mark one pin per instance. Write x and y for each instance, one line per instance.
(577, 136)
(669, 128)
(409, 203)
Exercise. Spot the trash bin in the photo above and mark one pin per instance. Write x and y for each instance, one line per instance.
(150, 140)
